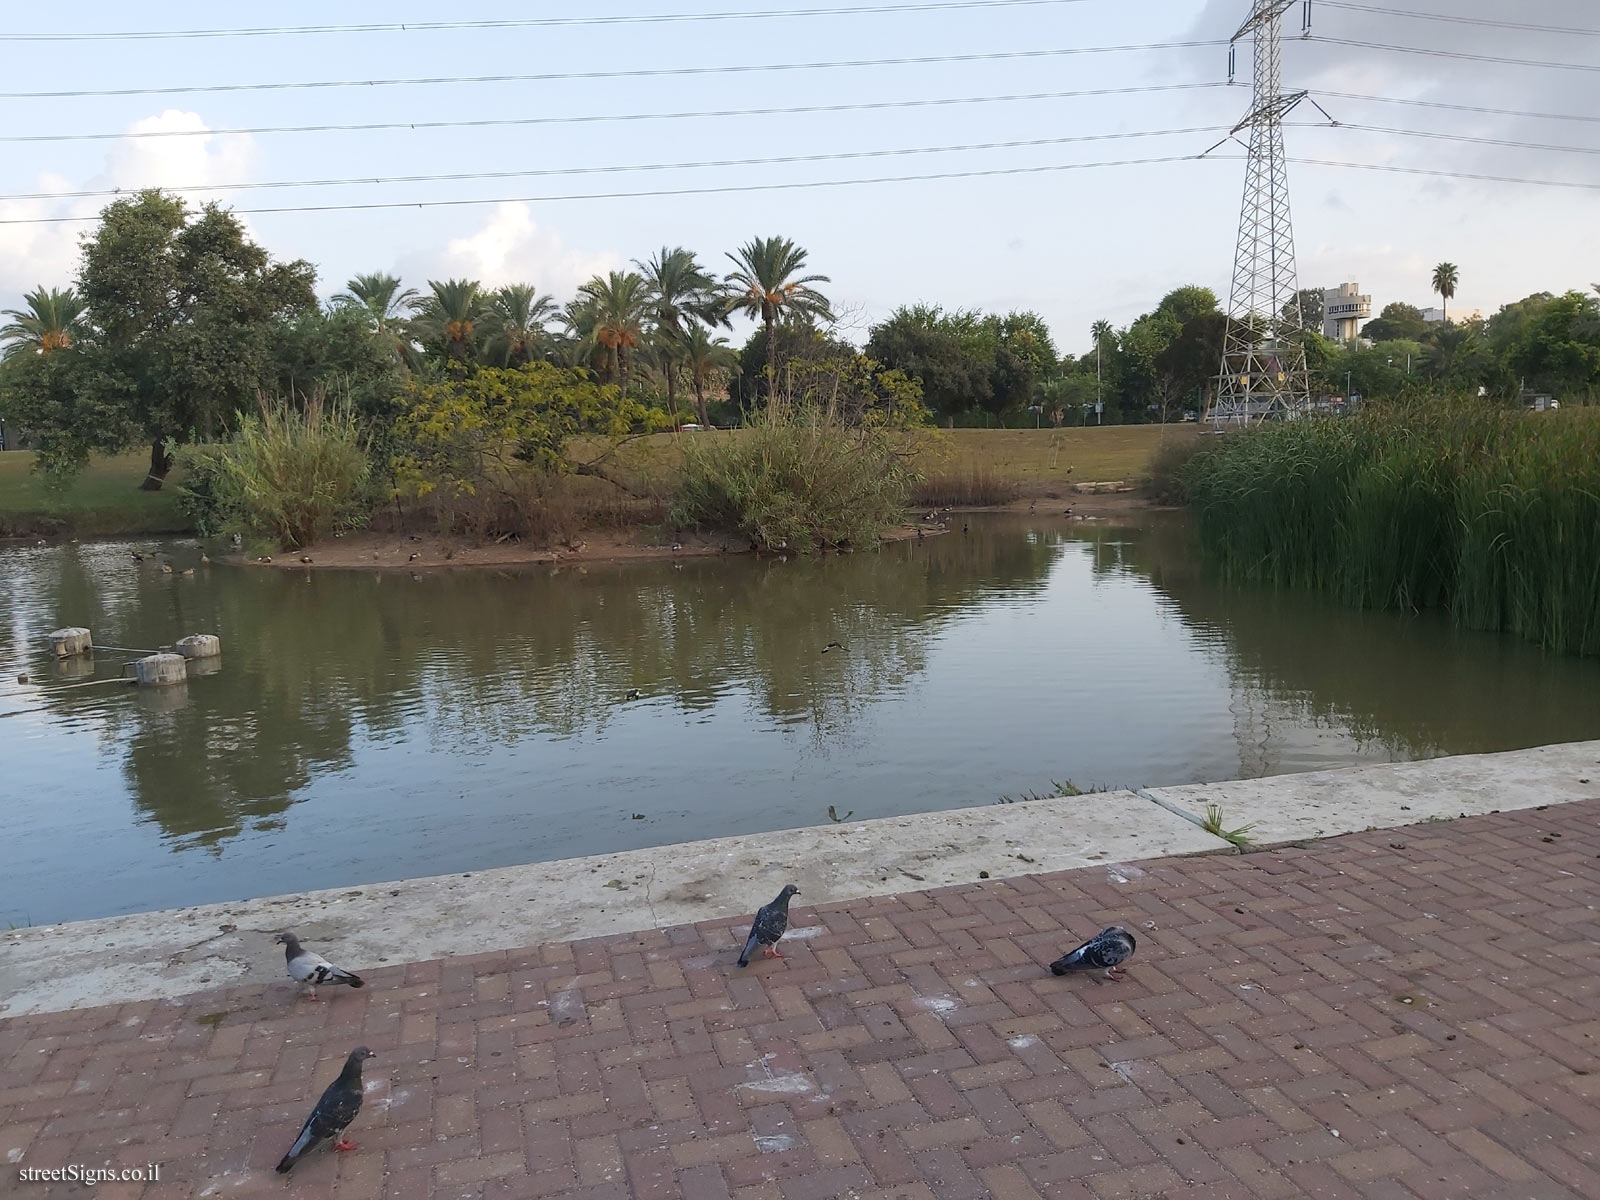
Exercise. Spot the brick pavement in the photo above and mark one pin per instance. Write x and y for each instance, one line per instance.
(1401, 1014)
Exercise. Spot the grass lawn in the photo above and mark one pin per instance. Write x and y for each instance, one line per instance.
(1033, 457)
(964, 465)
(104, 501)
(1027, 458)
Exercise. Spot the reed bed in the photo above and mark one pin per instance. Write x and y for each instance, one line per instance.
(1490, 513)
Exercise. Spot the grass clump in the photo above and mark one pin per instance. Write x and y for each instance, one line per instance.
(975, 486)
(1214, 826)
(1168, 467)
(294, 475)
(795, 480)
(1488, 512)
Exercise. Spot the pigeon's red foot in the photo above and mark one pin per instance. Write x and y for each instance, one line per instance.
(344, 1144)
(1115, 974)
(771, 951)
(308, 995)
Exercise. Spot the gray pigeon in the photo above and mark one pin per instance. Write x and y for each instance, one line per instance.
(1106, 950)
(770, 923)
(310, 968)
(332, 1115)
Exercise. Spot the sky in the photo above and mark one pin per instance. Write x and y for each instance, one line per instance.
(1075, 245)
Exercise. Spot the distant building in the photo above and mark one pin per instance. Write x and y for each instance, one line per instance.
(1343, 310)
(1433, 316)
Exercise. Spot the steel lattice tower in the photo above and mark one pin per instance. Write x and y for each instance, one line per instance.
(1263, 371)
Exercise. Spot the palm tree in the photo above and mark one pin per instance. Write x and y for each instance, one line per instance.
(448, 320)
(768, 284)
(703, 354)
(53, 320)
(1445, 278)
(677, 288)
(609, 313)
(516, 320)
(379, 296)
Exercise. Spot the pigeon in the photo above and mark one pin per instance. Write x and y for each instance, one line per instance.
(414, 557)
(310, 968)
(633, 694)
(833, 646)
(1106, 950)
(770, 923)
(333, 1113)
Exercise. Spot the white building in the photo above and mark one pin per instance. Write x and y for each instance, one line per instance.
(1343, 310)
(1433, 316)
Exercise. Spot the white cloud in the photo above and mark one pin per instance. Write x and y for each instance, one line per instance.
(34, 254)
(179, 163)
(512, 248)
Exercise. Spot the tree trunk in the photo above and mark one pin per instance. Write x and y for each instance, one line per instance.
(672, 394)
(622, 369)
(772, 360)
(700, 400)
(160, 465)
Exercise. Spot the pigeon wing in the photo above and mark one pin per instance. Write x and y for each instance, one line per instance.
(750, 947)
(334, 1111)
(308, 966)
(1108, 948)
(770, 924)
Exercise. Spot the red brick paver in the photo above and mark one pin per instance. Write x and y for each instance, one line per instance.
(1408, 1013)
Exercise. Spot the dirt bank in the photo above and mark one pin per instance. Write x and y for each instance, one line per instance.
(399, 551)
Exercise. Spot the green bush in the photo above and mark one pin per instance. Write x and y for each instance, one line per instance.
(795, 480)
(1169, 466)
(1490, 512)
(291, 474)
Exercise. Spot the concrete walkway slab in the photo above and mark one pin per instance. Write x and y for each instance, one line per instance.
(1318, 804)
(1381, 1016)
(156, 955)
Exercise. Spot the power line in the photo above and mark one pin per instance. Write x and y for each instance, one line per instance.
(528, 23)
(1388, 167)
(1470, 108)
(833, 156)
(633, 73)
(821, 183)
(863, 106)
(1461, 137)
(780, 160)
(1457, 54)
(489, 122)
(1458, 20)
(660, 192)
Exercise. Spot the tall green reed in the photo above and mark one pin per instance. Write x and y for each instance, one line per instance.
(1489, 512)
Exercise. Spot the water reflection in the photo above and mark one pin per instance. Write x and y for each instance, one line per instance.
(374, 726)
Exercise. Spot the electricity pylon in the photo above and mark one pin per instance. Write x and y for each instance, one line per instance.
(1263, 372)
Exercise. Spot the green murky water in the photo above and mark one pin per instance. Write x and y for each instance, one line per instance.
(365, 727)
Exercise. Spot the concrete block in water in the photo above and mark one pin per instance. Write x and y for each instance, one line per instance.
(162, 670)
(199, 645)
(71, 641)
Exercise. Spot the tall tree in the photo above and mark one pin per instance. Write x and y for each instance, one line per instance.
(52, 320)
(450, 319)
(1397, 322)
(610, 313)
(1445, 278)
(386, 306)
(517, 317)
(767, 284)
(678, 290)
(703, 355)
(186, 308)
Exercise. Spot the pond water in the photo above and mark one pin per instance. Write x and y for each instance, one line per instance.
(367, 726)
